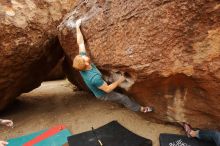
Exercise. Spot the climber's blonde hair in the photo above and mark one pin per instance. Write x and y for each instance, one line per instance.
(79, 63)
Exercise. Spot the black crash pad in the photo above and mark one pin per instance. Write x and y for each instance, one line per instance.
(181, 140)
(111, 134)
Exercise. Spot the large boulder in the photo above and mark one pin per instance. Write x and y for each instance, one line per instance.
(29, 47)
(169, 50)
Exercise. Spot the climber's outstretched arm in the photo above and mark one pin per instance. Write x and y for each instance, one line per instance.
(80, 40)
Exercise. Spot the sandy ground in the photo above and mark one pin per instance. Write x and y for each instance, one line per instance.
(55, 103)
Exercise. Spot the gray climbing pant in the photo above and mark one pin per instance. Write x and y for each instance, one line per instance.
(210, 135)
(122, 99)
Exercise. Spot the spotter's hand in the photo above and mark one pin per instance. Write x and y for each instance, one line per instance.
(8, 123)
(3, 143)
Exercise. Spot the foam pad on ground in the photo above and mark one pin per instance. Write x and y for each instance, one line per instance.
(49, 133)
(111, 134)
(180, 140)
(19, 141)
(56, 140)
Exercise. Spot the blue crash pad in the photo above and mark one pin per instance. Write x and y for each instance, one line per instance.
(23, 139)
(56, 140)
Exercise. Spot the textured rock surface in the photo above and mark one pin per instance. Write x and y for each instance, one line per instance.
(169, 49)
(57, 72)
(29, 47)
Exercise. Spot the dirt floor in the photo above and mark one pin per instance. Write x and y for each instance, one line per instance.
(56, 102)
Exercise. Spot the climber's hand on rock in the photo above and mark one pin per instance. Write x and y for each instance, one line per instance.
(78, 22)
(121, 79)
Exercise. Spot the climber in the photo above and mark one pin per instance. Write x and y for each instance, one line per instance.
(8, 123)
(93, 78)
(207, 135)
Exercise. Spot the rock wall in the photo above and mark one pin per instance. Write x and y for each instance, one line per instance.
(169, 50)
(57, 72)
(29, 47)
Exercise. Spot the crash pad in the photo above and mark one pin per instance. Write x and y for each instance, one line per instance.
(50, 132)
(111, 134)
(19, 141)
(56, 140)
(48, 137)
(181, 140)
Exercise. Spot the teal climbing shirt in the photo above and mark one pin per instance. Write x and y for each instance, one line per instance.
(93, 79)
